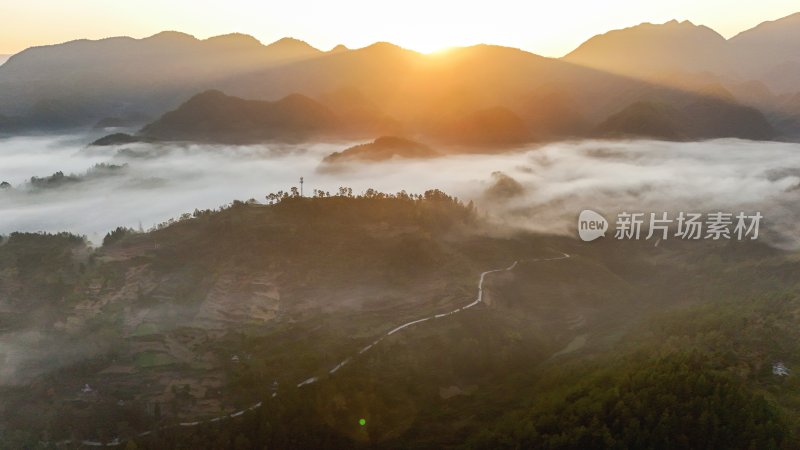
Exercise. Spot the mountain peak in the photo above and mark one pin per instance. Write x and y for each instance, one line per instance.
(380, 45)
(235, 39)
(213, 116)
(650, 48)
(172, 35)
(290, 42)
(209, 98)
(675, 22)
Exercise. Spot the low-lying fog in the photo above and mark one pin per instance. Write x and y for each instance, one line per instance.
(541, 188)
(558, 180)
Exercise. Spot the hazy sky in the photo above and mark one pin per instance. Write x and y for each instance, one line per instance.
(550, 28)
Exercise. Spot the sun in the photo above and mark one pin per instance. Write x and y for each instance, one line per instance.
(428, 48)
(433, 41)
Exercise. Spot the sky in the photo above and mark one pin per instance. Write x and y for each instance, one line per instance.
(551, 28)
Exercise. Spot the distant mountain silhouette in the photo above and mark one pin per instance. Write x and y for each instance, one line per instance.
(121, 76)
(649, 49)
(699, 120)
(482, 95)
(338, 48)
(651, 119)
(215, 117)
(381, 149)
(771, 52)
(82, 82)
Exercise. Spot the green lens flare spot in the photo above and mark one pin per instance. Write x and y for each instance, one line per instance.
(362, 422)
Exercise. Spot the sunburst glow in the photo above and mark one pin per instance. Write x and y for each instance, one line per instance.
(550, 29)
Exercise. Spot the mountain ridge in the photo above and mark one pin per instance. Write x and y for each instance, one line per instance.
(81, 83)
(640, 51)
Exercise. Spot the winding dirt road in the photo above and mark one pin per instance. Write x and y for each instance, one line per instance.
(311, 380)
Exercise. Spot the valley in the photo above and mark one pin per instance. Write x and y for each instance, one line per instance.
(171, 353)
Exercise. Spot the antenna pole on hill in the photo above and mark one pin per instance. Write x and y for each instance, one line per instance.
(301, 186)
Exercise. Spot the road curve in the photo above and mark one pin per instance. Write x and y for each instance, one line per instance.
(313, 379)
(477, 300)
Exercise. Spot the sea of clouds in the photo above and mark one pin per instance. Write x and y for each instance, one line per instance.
(541, 188)
(558, 180)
